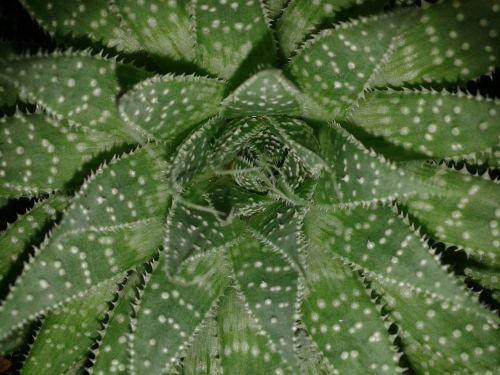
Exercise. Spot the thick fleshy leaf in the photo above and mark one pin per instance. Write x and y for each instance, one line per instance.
(161, 27)
(166, 106)
(341, 318)
(265, 93)
(275, 7)
(193, 154)
(279, 226)
(311, 360)
(30, 152)
(172, 310)
(96, 240)
(27, 230)
(56, 352)
(71, 264)
(467, 218)
(486, 276)
(190, 231)
(358, 176)
(112, 355)
(239, 34)
(449, 42)
(383, 245)
(236, 135)
(91, 19)
(202, 356)
(299, 138)
(126, 190)
(79, 87)
(432, 124)
(228, 198)
(243, 349)
(388, 251)
(269, 285)
(302, 17)
(442, 337)
(335, 68)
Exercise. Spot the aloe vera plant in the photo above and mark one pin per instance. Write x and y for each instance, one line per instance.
(251, 187)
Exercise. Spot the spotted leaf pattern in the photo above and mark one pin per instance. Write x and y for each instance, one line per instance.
(164, 107)
(95, 20)
(438, 125)
(249, 187)
(301, 17)
(472, 203)
(342, 320)
(48, 138)
(358, 175)
(269, 285)
(27, 230)
(328, 68)
(453, 54)
(265, 93)
(181, 304)
(79, 315)
(70, 261)
(239, 32)
(160, 27)
(80, 88)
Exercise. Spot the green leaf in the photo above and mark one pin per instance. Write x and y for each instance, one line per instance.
(178, 306)
(390, 254)
(486, 276)
(54, 352)
(302, 17)
(190, 231)
(432, 124)
(265, 93)
(383, 245)
(335, 67)
(112, 355)
(83, 18)
(267, 154)
(467, 218)
(236, 135)
(230, 199)
(280, 228)
(269, 286)
(460, 340)
(311, 360)
(164, 107)
(17, 339)
(243, 349)
(239, 33)
(193, 154)
(27, 230)
(113, 224)
(76, 86)
(275, 7)
(31, 152)
(299, 138)
(125, 191)
(341, 318)
(161, 27)
(446, 43)
(359, 176)
(202, 356)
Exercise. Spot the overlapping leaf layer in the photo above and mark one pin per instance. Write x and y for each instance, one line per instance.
(270, 206)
